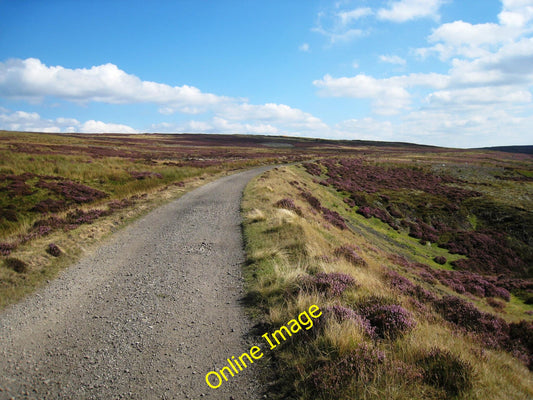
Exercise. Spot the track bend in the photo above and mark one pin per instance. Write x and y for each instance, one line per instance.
(144, 316)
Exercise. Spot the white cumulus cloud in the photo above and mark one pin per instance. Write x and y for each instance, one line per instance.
(393, 59)
(389, 95)
(33, 122)
(338, 26)
(406, 10)
(304, 47)
(93, 126)
(31, 79)
(348, 16)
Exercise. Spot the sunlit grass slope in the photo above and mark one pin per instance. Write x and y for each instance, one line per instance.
(390, 328)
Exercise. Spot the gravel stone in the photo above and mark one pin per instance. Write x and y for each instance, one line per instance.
(144, 316)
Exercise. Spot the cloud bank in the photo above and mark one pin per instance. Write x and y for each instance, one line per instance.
(34, 81)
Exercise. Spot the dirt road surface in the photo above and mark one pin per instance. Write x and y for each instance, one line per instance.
(145, 316)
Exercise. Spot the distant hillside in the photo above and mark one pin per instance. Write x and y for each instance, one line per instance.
(511, 149)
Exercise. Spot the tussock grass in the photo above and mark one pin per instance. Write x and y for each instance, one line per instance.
(283, 248)
(123, 177)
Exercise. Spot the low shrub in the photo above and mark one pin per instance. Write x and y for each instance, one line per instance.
(487, 251)
(390, 321)
(334, 218)
(394, 211)
(288, 204)
(71, 191)
(521, 341)
(9, 213)
(78, 216)
(446, 371)
(341, 313)
(369, 212)
(331, 216)
(53, 250)
(49, 205)
(399, 282)
(313, 169)
(115, 205)
(458, 311)
(312, 200)
(330, 284)
(16, 265)
(496, 304)
(493, 331)
(337, 376)
(405, 286)
(7, 248)
(522, 332)
(350, 255)
(478, 285)
(440, 260)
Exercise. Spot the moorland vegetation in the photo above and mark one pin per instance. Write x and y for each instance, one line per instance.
(421, 262)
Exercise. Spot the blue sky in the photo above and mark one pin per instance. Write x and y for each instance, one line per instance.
(442, 72)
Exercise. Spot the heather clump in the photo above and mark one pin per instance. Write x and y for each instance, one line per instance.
(496, 304)
(460, 281)
(330, 284)
(79, 217)
(339, 375)
(331, 216)
(15, 185)
(405, 286)
(389, 321)
(478, 285)
(349, 254)
(9, 213)
(312, 200)
(459, 311)
(341, 313)
(313, 169)
(399, 282)
(49, 205)
(440, 260)
(71, 191)
(334, 218)
(446, 371)
(520, 341)
(395, 211)
(54, 250)
(115, 205)
(16, 264)
(6, 248)
(423, 231)
(487, 252)
(369, 212)
(492, 331)
(288, 204)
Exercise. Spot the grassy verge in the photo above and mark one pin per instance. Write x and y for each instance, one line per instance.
(38, 262)
(384, 333)
(60, 195)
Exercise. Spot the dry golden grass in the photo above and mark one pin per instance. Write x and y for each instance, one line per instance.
(75, 243)
(283, 247)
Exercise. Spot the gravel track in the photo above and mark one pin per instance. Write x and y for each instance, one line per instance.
(144, 316)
